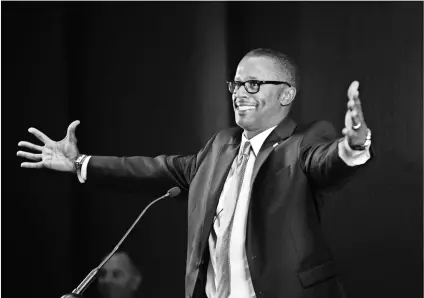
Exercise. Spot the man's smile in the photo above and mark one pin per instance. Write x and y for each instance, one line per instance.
(244, 107)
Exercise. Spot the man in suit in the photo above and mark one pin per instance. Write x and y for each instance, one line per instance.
(253, 208)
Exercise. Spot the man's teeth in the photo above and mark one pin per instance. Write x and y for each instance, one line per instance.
(245, 108)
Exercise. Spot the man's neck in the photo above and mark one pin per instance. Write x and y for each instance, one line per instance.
(252, 133)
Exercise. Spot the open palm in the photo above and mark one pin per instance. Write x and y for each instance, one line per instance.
(355, 117)
(53, 155)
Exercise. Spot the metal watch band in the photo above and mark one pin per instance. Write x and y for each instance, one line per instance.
(78, 163)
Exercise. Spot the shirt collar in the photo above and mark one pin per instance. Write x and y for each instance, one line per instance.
(257, 141)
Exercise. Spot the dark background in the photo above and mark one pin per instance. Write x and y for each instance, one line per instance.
(149, 78)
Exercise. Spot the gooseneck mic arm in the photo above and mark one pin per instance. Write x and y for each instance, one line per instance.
(78, 291)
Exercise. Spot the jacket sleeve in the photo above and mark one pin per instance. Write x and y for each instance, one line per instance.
(320, 160)
(147, 171)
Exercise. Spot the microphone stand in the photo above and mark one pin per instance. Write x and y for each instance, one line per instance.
(78, 291)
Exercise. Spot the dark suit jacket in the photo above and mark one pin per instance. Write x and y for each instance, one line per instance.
(286, 252)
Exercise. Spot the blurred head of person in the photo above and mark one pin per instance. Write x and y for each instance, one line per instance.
(119, 278)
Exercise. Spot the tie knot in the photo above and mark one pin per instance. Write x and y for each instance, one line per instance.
(246, 148)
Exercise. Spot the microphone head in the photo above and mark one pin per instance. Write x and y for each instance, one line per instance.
(173, 192)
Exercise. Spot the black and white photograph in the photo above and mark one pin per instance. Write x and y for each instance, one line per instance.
(212, 149)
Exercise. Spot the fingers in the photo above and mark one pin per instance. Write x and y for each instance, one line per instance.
(32, 165)
(351, 103)
(71, 130)
(356, 117)
(28, 155)
(354, 104)
(353, 92)
(30, 146)
(41, 136)
(355, 127)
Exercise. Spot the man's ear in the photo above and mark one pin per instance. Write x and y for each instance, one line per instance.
(287, 96)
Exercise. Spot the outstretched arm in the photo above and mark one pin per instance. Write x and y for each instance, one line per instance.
(61, 156)
(177, 169)
(329, 163)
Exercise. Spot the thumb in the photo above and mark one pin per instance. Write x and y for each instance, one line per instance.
(71, 130)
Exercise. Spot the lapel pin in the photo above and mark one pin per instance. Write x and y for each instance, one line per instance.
(275, 145)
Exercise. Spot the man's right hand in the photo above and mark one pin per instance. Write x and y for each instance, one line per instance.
(53, 155)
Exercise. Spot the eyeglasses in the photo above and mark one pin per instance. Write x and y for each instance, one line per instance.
(251, 86)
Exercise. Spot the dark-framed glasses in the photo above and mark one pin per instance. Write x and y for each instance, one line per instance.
(252, 86)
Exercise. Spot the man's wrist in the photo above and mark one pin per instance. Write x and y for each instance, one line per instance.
(352, 157)
(79, 160)
(364, 146)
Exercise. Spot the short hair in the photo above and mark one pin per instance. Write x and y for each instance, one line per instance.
(287, 64)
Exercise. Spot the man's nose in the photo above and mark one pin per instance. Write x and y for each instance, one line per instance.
(241, 92)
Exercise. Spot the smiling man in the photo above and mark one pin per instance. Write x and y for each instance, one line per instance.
(269, 81)
(254, 226)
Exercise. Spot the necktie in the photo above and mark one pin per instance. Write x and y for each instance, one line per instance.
(223, 274)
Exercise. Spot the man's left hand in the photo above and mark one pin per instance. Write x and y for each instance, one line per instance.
(356, 129)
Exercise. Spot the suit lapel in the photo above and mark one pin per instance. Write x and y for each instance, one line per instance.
(224, 160)
(223, 164)
(280, 133)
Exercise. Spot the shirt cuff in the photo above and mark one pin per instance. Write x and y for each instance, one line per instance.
(82, 176)
(353, 157)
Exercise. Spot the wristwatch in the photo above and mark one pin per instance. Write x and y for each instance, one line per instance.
(78, 163)
(365, 145)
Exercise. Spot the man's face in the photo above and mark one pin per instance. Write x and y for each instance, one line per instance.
(115, 278)
(260, 111)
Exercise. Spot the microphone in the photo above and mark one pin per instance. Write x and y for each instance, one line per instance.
(173, 192)
(78, 291)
